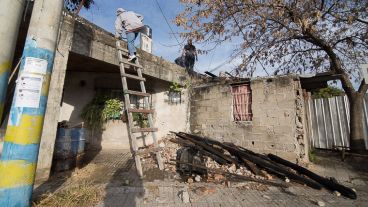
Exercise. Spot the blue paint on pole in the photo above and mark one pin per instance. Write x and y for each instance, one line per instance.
(15, 112)
(15, 196)
(14, 151)
(21, 194)
(31, 50)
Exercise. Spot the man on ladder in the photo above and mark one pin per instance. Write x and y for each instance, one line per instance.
(132, 24)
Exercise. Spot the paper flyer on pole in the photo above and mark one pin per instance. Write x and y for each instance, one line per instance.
(35, 65)
(28, 92)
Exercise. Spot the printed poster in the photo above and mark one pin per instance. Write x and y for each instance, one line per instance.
(28, 92)
(35, 65)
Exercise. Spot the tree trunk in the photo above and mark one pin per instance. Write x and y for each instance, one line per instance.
(356, 122)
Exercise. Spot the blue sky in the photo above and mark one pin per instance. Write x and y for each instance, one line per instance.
(102, 13)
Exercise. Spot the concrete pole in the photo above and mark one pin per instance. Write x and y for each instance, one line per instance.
(23, 133)
(10, 17)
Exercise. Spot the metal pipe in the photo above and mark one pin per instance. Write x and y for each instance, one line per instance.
(10, 17)
(23, 133)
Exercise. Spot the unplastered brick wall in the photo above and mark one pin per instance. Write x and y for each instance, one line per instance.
(276, 126)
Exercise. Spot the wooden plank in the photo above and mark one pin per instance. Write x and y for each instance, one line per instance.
(137, 130)
(143, 111)
(264, 163)
(208, 148)
(137, 93)
(130, 63)
(333, 186)
(148, 151)
(133, 77)
(186, 143)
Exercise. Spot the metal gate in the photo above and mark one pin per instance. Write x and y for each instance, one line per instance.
(328, 122)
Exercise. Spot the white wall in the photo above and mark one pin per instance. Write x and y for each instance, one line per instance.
(168, 116)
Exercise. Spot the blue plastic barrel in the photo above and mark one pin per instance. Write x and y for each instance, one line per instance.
(63, 147)
(78, 140)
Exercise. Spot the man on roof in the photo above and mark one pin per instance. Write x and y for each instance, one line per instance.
(131, 23)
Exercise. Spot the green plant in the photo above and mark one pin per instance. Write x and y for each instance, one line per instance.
(101, 109)
(175, 87)
(328, 92)
(312, 155)
(141, 119)
(112, 109)
(92, 112)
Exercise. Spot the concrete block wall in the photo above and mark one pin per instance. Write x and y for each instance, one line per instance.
(273, 128)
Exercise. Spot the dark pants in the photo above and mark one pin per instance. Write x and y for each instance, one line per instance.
(189, 62)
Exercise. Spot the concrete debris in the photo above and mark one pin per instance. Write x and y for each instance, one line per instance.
(190, 180)
(337, 193)
(232, 169)
(321, 203)
(162, 145)
(266, 197)
(198, 159)
(204, 191)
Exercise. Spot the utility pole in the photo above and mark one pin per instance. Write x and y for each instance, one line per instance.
(10, 17)
(23, 133)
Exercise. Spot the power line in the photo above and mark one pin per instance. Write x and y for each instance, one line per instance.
(245, 38)
(167, 22)
(226, 62)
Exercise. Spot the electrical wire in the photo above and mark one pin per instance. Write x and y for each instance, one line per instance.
(167, 22)
(226, 62)
(240, 29)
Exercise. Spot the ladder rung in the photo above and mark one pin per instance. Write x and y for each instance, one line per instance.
(137, 93)
(148, 151)
(143, 111)
(133, 77)
(122, 49)
(137, 130)
(130, 63)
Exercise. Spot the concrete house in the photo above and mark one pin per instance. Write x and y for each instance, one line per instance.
(262, 114)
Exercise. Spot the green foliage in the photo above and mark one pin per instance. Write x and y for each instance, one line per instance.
(175, 87)
(141, 120)
(100, 110)
(312, 155)
(112, 109)
(328, 92)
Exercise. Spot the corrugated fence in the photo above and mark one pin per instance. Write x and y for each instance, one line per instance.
(328, 122)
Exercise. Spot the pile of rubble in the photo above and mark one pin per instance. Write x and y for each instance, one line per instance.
(199, 159)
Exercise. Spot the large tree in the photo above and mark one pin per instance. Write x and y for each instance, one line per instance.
(290, 36)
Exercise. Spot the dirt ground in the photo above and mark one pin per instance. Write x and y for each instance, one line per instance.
(109, 179)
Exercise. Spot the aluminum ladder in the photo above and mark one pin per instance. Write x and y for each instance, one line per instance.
(123, 63)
